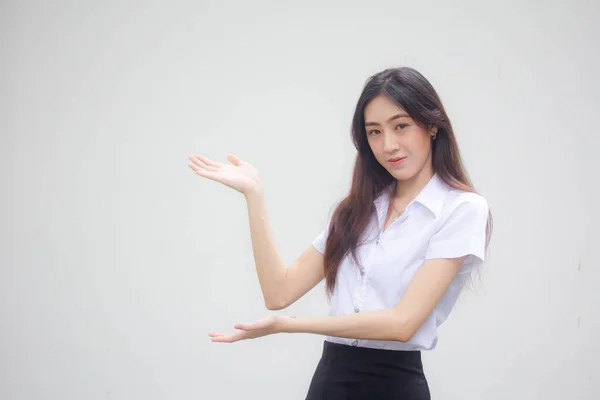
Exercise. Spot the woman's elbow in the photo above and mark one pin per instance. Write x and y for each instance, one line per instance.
(404, 335)
(275, 305)
(403, 329)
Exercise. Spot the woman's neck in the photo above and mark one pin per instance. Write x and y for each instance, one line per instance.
(406, 190)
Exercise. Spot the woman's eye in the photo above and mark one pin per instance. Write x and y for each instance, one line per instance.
(402, 126)
(373, 132)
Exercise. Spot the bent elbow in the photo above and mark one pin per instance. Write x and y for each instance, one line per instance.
(404, 330)
(404, 335)
(274, 305)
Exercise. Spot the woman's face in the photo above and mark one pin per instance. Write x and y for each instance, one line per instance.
(399, 144)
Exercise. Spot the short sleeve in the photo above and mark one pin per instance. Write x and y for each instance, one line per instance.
(319, 241)
(463, 233)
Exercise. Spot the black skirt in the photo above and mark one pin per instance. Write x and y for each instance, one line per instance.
(353, 373)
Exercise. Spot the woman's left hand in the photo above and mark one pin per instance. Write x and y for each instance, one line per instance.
(263, 327)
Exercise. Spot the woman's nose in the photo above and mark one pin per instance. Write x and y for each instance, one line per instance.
(390, 143)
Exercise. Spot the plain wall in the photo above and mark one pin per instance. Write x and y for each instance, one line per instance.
(117, 260)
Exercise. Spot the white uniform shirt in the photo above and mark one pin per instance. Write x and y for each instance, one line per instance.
(441, 222)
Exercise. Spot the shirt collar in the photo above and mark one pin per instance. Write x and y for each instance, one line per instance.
(431, 196)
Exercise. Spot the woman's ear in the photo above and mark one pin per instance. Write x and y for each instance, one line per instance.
(433, 131)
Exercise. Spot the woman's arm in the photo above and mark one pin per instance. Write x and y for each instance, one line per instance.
(399, 323)
(280, 286)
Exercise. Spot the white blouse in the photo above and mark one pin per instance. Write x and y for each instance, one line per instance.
(441, 222)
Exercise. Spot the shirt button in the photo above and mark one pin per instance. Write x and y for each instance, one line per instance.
(356, 309)
(355, 343)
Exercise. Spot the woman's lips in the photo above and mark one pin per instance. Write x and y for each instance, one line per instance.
(396, 161)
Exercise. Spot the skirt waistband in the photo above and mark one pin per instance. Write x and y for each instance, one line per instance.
(366, 354)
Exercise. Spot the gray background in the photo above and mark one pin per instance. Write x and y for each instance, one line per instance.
(116, 260)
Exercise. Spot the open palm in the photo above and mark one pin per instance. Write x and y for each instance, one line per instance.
(265, 326)
(238, 175)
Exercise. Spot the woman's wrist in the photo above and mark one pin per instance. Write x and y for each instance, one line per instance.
(285, 324)
(254, 192)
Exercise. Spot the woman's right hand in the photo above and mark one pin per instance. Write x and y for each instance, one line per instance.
(238, 175)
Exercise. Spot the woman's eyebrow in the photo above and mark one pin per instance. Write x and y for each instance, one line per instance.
(401, 115)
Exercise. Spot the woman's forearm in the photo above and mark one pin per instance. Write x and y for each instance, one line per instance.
(373, 325)
(270, 266)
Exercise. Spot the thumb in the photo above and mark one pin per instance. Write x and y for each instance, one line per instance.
(244, 326)
(234, 160)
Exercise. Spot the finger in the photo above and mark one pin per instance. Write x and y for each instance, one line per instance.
(194, 167)
(201, 164)
(245, 327)
(234, 160)
(197, 161)
(222, 339)
(219, 336)
(208, 174)
(234, 337)
(208, 162)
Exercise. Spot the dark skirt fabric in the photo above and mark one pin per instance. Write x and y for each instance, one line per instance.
(356, 373)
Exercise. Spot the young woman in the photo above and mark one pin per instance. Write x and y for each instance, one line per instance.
(395, 254)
